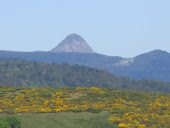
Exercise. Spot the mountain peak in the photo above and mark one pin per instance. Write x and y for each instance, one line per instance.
(154, 54)
(74, 36)
(73, 43)
(158, 51)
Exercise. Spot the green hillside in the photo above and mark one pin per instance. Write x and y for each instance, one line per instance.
(20, 73)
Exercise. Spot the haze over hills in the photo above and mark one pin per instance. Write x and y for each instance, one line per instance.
(73, 49)
(152, 65)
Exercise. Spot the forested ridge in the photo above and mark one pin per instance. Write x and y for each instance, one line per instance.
(22, 73)
(153, 65)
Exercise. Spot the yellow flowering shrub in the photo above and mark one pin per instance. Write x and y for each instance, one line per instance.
(130, 109)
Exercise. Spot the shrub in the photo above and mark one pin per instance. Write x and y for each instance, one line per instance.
(10, 122)
(77, 110)
(94, 110)
(4, 123)
(14, 122)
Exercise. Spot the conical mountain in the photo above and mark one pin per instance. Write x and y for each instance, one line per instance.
(73, 43)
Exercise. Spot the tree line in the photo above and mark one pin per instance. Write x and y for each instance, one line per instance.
(22, 73)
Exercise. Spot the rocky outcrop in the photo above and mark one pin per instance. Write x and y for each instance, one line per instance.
(73, 43)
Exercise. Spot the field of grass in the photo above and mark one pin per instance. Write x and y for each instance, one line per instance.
(65, 120)
(85, 107)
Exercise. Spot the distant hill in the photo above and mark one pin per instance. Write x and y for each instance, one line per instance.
(21, 73)
(153, 65)
(93, 60)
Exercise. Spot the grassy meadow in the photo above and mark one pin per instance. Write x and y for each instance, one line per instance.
(65, 120)
(84, 107)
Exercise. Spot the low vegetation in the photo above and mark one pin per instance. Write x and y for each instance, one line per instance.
(65, 120)
(128, 108)
(10, 122)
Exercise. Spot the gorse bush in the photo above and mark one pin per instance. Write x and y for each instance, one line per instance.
(129, 108)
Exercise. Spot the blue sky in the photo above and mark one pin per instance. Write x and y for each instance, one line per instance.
(113, 27)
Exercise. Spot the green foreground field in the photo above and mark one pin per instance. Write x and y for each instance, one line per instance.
(65, 120)
(84, 107)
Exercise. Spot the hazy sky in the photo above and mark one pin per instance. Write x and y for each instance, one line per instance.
(113, 27)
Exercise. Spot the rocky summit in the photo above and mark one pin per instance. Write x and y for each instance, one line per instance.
(73, 43)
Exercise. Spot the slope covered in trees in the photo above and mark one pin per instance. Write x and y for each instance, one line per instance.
(20, 73)
(153, 65)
